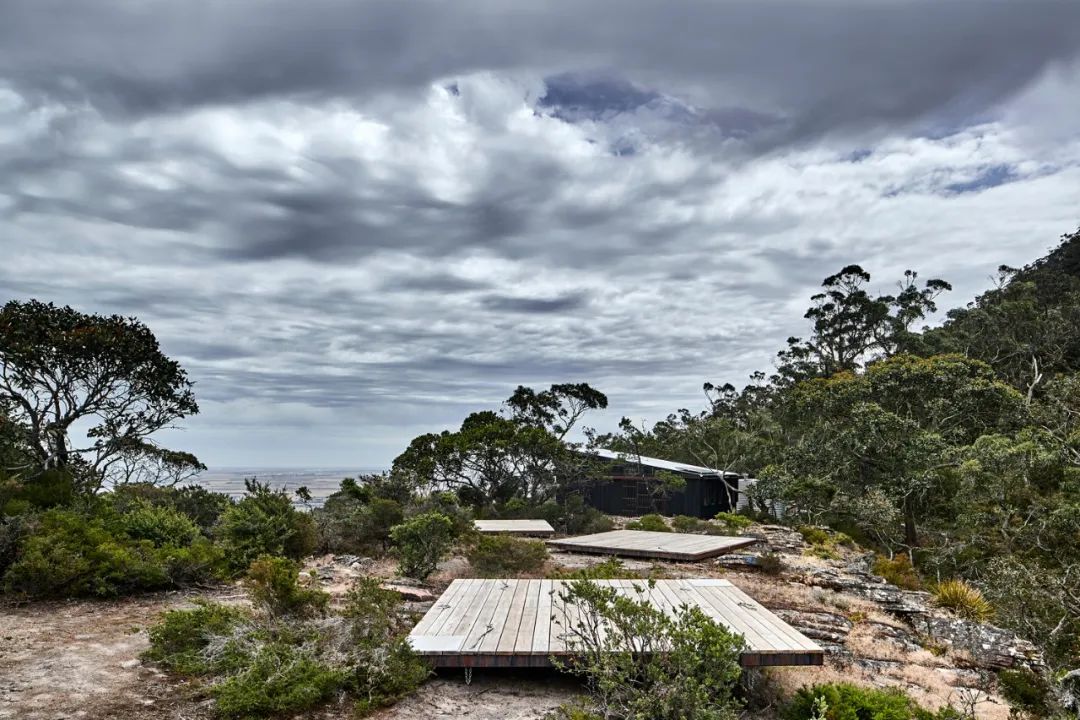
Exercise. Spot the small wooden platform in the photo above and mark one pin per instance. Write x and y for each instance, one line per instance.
(660, 545)
(523, 623)
(535, 528)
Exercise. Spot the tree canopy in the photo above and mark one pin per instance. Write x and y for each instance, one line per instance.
(67, 375)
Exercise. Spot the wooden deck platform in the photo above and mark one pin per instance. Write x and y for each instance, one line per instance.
(660, 545)
(535, 528)
(523, 623)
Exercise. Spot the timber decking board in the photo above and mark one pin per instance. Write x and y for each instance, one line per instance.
(646, 544)
(523, 623)
(537, 528)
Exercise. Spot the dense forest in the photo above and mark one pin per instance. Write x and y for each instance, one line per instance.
(953, 451)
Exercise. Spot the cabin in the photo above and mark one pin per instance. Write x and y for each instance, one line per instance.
(629, 484)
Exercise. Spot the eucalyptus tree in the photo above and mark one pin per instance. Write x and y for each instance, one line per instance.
(88, 391)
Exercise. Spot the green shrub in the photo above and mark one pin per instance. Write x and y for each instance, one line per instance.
(70, 554)
(1026, 691)
(651, 522)
(447, 505)
(198, 504)
(14, 530)
(347, 524)
(769, 563)
(963, 599)
(844, 701)
(265, 522)
(506, 556)
(274, 586)
(279, 677)
(42, 491)
(267, 662)
(686, 524)
(732, 523)
(421, 542)
(898, 571)
(695, 676)
(179, 639)
(203, 506)
(160, 525)
(815, 535)
(610, 569)
(574, 516)
(383, 666)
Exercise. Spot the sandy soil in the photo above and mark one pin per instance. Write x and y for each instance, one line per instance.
(81, 660)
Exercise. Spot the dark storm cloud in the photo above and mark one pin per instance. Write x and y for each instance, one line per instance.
(529, 305)
(822, 63)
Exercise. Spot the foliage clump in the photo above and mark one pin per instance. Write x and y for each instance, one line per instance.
(274, 585)
(1027, 692)
(356, 520)
(963, 599)
(651, 522)
(639, 662)
(100, 553)
(610, 569)
(290, 653)
(506, 556)
(421, 542)
(732, 523)
(844, 701)
(265, 522)
(899, 571)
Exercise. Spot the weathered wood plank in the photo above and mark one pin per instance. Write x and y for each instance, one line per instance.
(537, 528)
(660, 545)
(484, 623)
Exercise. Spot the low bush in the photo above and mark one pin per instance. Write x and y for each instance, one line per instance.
(1027, 692)
(179, 640)
(421, 542)
(274, 586)
(160, 525)
(348, 524)
(640, 662)
(963, 599)
(844, 701)
(573, 516)
(610, 569)
(651, 522)
(72, 554)
(898, 571)
(687, 524)
(506, 556)
(265, 522)
(732, 523)
(262, 663)
(201, 506)
(383, 666)
(447, 505)
(769, 563)
(278, 677)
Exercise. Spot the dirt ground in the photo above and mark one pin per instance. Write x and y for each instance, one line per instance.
(80, 659)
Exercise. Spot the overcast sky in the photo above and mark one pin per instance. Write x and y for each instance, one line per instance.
(353, 222)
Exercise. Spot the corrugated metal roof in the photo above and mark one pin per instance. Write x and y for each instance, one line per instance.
(657, 462)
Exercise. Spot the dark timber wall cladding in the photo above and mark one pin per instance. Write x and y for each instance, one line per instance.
(634, 495)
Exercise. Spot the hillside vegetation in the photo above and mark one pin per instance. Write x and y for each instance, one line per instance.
(951, 454)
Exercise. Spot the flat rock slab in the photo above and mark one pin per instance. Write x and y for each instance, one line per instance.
(659, 545)
(535, 528)
(524, 623)
(408, 592)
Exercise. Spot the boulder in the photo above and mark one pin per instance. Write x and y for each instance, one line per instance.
(988, 645)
